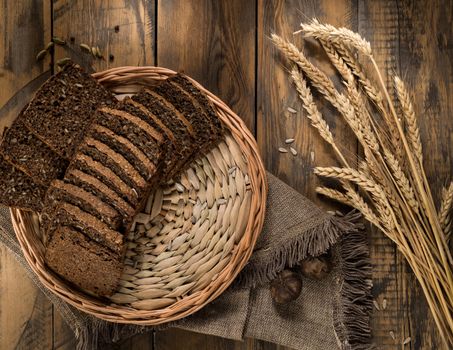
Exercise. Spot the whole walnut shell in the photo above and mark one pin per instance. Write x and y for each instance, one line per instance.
(316, 267)
(286, 287)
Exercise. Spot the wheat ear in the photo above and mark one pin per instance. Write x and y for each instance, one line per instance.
(322, 83)
(332, 34)
(446, 206)
(413, 133)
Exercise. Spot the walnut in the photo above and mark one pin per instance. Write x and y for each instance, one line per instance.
(316, 267)
(286, 287)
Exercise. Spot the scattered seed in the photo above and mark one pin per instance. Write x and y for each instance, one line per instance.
(93, 51)
(58, 41)
(392, 335)
(282, 150)
(111, 58)
(63, 61)
(49, 46)
(98, 52)
(376, 305)
(288, 141)
(41, 54)
(407, 340)
(85, 48)
(293, 151)
(291, 110)
(117, 28)
(384, 304)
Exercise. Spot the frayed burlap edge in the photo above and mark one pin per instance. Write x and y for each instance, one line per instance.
(312, 242)
(352, 312)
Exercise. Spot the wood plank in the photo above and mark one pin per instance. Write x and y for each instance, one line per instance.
(276, 93)
(213, 42)
(25, 314)
(124, 29)
(378, 23)
(426, 64)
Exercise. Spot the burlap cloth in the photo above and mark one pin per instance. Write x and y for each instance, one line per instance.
(330, 314)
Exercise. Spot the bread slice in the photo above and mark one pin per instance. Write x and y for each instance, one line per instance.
(61, 191)
(83, 262)
(64, 107)
(108, 157)
(95, 186)
(28, 153)
(67, 214)
(170, 146)
(184, 82)
(182, 131)
(18, 190)
(145, 166)
(134, 129)
(106, 175)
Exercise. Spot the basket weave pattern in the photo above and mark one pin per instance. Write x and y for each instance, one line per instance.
(192, 239)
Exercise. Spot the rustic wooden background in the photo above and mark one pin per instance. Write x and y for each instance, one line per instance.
(225, 46)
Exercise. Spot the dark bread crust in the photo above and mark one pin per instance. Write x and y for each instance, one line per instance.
(61, 191)
(83, 262)
(93, 185)
(95, 168)
(127, 149)
(67, 214)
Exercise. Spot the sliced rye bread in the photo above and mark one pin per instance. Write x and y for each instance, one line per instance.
(18, 190)
(102, 153)
(127, 149)
(67, 214)
(95, 168)
(25, 151)
(83, 262)
(134, 129)
(184, 82)
(95, 186)
(64, 107)
(171, 144)
(187, 105)
(184, 135)
(60, 191)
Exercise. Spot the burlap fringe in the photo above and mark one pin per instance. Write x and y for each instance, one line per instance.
(313, 242)
(354, 302)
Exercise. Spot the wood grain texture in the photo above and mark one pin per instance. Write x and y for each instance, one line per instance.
(93, 22)
(276, 93)
(25, 28)
(426, 64)
(25, 314)
(214, 42)
(378, 23)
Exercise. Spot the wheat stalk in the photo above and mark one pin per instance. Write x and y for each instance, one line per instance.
(399, 199)
(413, 132)
(445, 209)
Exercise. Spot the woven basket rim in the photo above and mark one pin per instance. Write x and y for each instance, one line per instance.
(127, 76)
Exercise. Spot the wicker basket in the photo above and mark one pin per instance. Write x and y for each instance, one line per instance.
(194, 236)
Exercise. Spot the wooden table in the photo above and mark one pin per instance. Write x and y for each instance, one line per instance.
(225, 46)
